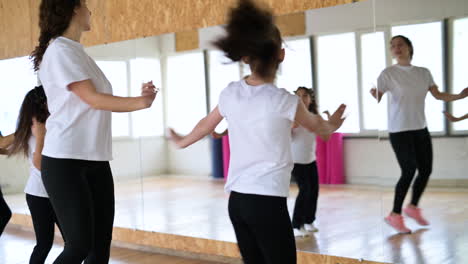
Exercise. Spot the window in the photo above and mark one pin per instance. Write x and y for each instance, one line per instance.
(116, 73)
(148, 122)
(337, 77)
(296, 69)
(460, 64)
(222, 72)
(18, 78)
(427, 42)
(185, 91)
(373, 62)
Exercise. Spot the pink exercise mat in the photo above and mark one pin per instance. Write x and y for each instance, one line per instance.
(330, 160)
(226, 155)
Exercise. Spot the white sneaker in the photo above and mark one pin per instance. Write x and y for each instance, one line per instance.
(300, 232)
(310, 228)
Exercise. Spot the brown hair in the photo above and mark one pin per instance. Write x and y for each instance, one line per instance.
(54, 19)
(34, 106)
(313, 108)
(252, 33)
(408, 42)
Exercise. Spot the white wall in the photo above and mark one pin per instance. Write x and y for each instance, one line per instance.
(133, 158)
(194, 160)
(143, 157)
(13, 174)
(372, 161)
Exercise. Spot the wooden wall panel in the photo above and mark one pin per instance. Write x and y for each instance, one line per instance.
(187, 40)
(292, 25)
(118, 20)
(34, 14)
(99, 30)
(16, 32)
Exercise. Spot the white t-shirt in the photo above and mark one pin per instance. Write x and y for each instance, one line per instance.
(74, 129)
(34, 186)
(303, 146)
(407, 87)
(259, 120)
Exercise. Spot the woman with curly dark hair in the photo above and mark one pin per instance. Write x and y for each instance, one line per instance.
(78, 142)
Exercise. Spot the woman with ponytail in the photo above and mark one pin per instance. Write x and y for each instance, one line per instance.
(78, 142)
(260, 118)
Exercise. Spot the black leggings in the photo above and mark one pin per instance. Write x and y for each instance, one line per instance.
(82, 195)
(306, 176)
(44, 220)
(5, 213)
(413, 150)
(263, 228)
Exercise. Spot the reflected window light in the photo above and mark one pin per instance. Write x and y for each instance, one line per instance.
(116, 73)
(147, 122)
(186, 95)
(296, 69)
(460, 64)
(373, 62)
(222, 72)
(18, 77)
(338, 77)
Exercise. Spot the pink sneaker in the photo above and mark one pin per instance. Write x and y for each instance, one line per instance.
(396, 221)
(415, 213)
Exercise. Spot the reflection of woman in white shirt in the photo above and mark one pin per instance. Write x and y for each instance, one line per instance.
(305, 170)
(29, 140)
(78, 143)
(407, 87)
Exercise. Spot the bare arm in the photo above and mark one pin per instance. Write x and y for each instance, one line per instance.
(6, 141)
(451, 118)
(316, 124)
(201, 130)
(38, 131)
(86, 91)
(447, 97)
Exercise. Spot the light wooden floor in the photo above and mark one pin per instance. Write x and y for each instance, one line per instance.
(350, 219)
(16, 246)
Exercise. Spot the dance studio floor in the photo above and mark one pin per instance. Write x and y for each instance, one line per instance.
(350, 218)
(16, 245)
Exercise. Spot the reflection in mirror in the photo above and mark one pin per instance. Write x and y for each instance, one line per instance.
(423, 171)
(170, 196)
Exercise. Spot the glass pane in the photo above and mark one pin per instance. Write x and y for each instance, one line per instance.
(185, 91)
(373, 62)
(296, 69)
(148, 122)
(18, 78)
(116, 73)
(337, 77)
(430, 57)
(460, 64)
(222, 72)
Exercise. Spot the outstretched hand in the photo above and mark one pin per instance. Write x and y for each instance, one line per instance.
(174, 137)
(450, 117)
(464, 93)
(337, 119)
